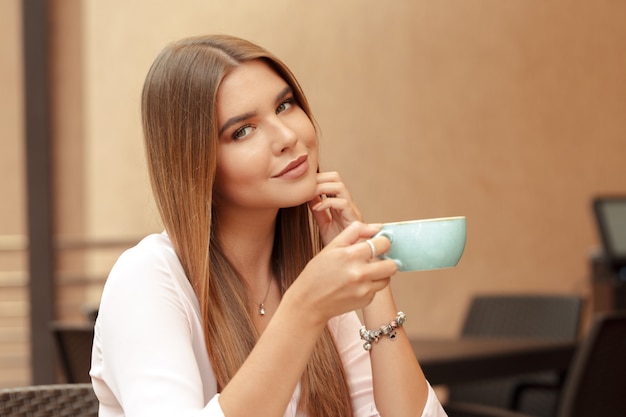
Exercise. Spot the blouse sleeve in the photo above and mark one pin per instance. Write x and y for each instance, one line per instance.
(359, 370)
(144, 363)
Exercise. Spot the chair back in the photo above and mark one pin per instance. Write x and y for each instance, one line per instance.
(62, 400)
(538, 316)
(73, 343)
(596, 383)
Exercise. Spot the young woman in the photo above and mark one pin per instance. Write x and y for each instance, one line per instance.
(245, 304)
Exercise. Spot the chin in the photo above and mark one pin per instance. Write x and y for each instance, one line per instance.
(301, 195)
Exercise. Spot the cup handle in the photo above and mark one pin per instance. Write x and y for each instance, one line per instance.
(389, 235)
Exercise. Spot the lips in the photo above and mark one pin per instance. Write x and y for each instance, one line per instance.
(294, 169)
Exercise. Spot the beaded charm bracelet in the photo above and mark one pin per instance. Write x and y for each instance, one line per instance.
(370, 336)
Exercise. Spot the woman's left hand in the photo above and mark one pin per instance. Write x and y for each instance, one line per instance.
(336, 210)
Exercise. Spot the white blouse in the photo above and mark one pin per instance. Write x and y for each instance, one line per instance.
(149, 356)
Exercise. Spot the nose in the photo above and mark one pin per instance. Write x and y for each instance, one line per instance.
(283, 136)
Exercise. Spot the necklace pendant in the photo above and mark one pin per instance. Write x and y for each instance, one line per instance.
(262, 309)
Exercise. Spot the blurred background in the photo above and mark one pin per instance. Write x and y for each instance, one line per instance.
(512, 113)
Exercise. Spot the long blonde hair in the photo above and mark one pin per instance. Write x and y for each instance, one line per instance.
(180, 129)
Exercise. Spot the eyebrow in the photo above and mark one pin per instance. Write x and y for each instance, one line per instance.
(240, 118)
(284, 93)
(234, 120)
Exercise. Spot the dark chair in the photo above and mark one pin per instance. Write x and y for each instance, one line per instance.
(74, 342)
(555, 317)
(595, 381)
(597, 378)
(63, 400)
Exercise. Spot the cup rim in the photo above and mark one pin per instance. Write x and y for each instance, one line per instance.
(434, 219)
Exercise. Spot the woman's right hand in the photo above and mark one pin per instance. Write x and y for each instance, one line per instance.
(343, 276)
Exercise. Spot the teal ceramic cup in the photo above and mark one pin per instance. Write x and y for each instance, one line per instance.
(420, 245)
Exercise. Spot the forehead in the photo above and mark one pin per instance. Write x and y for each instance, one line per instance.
(247, 86)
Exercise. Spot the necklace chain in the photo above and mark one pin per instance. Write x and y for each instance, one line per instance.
(262, 303)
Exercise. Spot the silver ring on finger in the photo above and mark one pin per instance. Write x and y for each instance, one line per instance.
(372, 247)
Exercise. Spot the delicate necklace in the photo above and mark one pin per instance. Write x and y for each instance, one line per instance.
(262, 303)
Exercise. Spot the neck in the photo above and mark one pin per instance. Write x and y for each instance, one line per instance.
(247, 241)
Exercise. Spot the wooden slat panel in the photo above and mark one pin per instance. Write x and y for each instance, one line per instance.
(77, 288)
(14, 330)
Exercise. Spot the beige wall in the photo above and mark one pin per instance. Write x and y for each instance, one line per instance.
(14, 332)
(508, 112)
(12, 180)
(511, 113)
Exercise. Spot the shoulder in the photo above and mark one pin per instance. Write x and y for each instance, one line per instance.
(156, 247)
(149, 268)
(153, 255)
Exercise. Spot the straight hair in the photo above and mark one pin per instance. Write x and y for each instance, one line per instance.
(181, 133)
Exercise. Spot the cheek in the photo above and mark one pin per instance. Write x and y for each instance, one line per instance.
(226, 177)
(228, 186)
(308, 135)
(236, 170)
(225, 174)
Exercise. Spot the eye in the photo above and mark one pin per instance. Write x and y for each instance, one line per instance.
(285, 105)
(242, 132)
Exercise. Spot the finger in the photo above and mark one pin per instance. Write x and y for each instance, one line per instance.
(328, 176)
(377, 246)
(374, 287)
(332, 189)
(314, 204)
(332, 203)
(370, 244)
(354, 232)
(380, 284)
(330, 184)
(321, 217)
(381, 269)
(314, 201)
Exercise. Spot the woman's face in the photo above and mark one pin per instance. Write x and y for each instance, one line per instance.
(267, 151)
